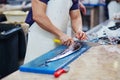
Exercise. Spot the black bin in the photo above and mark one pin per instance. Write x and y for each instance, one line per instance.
(12, 48)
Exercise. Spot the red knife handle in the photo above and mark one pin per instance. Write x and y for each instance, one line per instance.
(59, 72)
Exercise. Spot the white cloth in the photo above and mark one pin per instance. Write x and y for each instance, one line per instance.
(41, 41)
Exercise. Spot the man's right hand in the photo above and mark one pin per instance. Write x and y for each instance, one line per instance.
(66, 40)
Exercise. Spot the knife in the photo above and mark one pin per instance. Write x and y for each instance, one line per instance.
(92, 44)
(89, 43)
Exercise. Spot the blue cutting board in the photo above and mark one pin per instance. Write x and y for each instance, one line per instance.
(35, 65)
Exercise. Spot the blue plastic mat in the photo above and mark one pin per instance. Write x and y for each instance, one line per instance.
(36, 66)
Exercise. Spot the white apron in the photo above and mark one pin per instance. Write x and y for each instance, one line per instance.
(41, 41)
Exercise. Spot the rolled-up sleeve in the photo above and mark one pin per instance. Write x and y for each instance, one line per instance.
(75, 5)
(29, 18)
(45, 1)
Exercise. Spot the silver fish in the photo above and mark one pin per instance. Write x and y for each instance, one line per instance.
(71, 49)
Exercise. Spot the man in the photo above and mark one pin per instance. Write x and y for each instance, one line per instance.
(49, 19)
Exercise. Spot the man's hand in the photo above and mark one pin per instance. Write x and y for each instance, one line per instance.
(82, 8)
(66, 40)
(81, 35)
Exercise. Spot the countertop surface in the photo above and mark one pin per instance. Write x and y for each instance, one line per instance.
(98, 63)
(7, 7)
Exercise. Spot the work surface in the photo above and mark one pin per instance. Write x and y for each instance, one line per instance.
(98, 63)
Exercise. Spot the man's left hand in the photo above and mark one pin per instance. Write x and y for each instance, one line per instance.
(81, 35)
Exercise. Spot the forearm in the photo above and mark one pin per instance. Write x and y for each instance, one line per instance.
(42, 19)
(47, 25)
(76, 22)
(77, 25)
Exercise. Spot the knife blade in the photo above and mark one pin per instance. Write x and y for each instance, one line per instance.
(92, 44)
